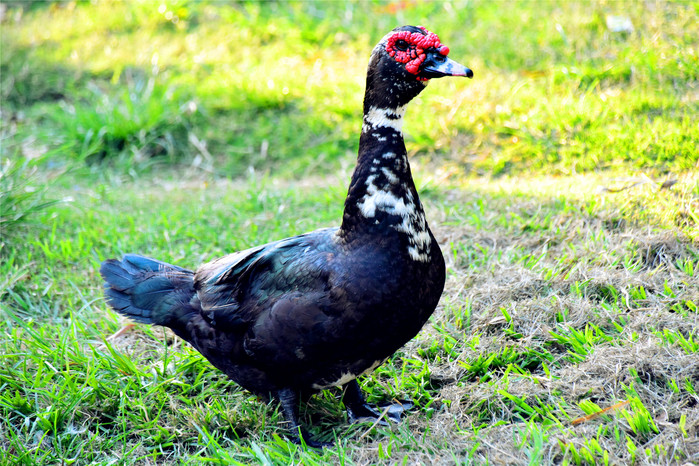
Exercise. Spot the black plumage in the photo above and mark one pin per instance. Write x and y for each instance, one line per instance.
(316, 310)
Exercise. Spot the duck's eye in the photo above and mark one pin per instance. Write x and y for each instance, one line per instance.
(401, 45)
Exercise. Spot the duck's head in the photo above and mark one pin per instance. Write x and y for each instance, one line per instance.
(417, 54)
(403, 62)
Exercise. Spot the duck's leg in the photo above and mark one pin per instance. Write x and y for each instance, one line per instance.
(289, 400)
(358, 408)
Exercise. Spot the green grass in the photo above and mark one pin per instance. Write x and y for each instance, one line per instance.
(202, 128)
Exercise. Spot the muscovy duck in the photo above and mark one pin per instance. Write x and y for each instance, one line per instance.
(315, 311)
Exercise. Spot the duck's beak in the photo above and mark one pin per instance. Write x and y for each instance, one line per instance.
(437, 65)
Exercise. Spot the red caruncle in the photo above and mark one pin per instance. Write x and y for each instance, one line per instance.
(414, 54)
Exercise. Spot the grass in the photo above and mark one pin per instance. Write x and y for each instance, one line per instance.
(561, 183)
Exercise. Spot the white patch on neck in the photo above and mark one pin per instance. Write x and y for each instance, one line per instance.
(390, 176)
(377, 117)
(413, 224)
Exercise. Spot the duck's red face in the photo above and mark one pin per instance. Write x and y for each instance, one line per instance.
(423, 54)
(409, 48)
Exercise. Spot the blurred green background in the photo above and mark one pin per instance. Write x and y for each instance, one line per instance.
(559, 86)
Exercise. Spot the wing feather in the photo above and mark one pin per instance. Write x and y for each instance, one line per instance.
(234, 290)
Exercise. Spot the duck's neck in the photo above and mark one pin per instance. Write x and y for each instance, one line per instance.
(382, 197)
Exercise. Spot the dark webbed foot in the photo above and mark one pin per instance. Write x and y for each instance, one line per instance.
(289, 400)
(308, 440)
(358, 409)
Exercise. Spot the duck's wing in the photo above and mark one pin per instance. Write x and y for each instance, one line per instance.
(233, 290)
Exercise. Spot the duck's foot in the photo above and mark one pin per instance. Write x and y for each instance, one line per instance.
(359, 410)
(304, 438)
(289, 400)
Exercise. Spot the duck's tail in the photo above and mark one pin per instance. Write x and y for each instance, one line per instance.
(149, 291)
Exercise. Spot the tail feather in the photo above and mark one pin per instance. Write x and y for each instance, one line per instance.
(121, 302)
(118, 277)
(149, 291)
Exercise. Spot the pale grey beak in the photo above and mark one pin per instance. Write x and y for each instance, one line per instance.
(437, 65)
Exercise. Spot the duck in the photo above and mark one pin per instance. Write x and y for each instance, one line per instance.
(290, 318)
